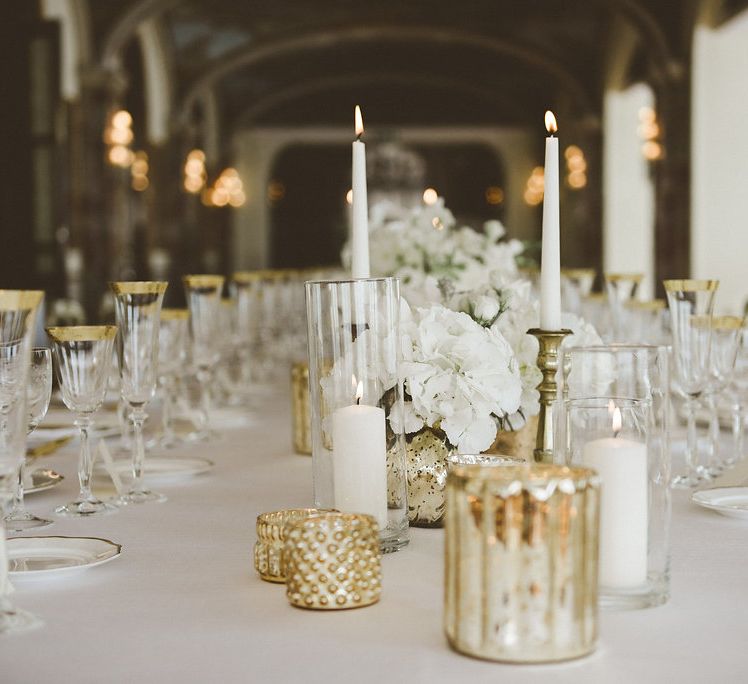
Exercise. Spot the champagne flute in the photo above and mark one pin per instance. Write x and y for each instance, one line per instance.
(203, 294)
(17, 313)
(84, 355)
(172, 338)
(39, 391)
(691, 303)
(138, 311)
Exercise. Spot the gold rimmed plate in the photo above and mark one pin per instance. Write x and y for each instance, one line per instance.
(56, 556)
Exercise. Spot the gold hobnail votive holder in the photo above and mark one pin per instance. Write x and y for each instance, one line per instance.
(521, 568)
(333, 561)
(271, 536)
(301, 417)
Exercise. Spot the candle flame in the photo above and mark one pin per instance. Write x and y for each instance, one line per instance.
(359, 391)
(359, 122)
(617, 421)
(550, 122)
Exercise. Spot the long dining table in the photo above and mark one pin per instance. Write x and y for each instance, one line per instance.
(182, 603)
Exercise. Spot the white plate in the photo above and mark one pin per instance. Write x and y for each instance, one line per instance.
(162, 469)
(42, 479)
(729, 501)
(41, 557)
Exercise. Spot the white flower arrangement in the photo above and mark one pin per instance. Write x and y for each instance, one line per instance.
(459, 377)
(424, 247)
(470, 368)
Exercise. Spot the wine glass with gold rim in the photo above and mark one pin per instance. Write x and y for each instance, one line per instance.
(39, 391)
(691, 304)
(83, 354)
(203, 293)
(17, 316)
(138, 313)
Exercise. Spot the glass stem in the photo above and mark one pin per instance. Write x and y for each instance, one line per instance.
(205, 378)
(738, 421)
(137, 417)
(17, 503)
(714, 432)
(691, 440)
(85, 463)
(5, 587)
(167, 411)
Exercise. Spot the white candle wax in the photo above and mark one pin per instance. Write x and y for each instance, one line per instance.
(550, 256)
(360, 461)
(622, 466)
(360, 207)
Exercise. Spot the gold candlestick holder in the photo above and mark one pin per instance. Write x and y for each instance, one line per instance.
(549, 341)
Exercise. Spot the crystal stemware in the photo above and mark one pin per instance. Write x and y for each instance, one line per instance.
(17, 315)
(83, 355)
(172, 354)
(739, 394)
(138, 312)
(621, 288)
(203, 293)
(691, 303)
(39, 391)
(726, 332)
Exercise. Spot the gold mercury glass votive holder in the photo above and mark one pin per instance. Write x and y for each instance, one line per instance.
(271, 537)
(333, 561)
(300, 409)
(521, 562)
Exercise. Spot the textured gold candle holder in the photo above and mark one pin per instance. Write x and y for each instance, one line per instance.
(271, 537)
(333, 561)
(521, 545)
(549, 341)
(301, 416)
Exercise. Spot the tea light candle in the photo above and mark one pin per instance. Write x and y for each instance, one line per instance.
(622, 466)
(359, 459)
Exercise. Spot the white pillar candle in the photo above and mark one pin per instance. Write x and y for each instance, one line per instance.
(360, 208)
(359, 460)
(622, 466)
(550, 256)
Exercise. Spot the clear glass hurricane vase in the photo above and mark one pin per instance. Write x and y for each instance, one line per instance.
(138, 312)
(358, 454)
(83, 355)
(39, 391)
(203, 293)
(17, 316)
(691, 305)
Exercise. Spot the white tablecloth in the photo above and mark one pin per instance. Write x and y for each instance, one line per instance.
(183, 604)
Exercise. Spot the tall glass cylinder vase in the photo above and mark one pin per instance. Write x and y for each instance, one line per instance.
(635, 380)
(358, 458)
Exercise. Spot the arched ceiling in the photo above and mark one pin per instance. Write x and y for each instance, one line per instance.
(290, 62)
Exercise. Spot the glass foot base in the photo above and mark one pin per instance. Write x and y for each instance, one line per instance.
(203, 436)
(84, 508)
(164, 442)
(15, 620)
(144, 496)
(20, 521)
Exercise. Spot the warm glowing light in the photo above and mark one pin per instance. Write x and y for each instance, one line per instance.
(647, 115)
(349, 196)
(550, 122)
(430, 196)
(494, 195)
(119, 155)
(140, 183)
(121, 119)
(652, 150)
(437, 223)
(359, 122)
(617, 421)
(533, 194)
(198, 155)
(237, 199)
(359, 390)
(573, 151)
(577, 180)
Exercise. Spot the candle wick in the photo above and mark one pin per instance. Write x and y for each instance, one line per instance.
(358, 401)
(358, 136)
